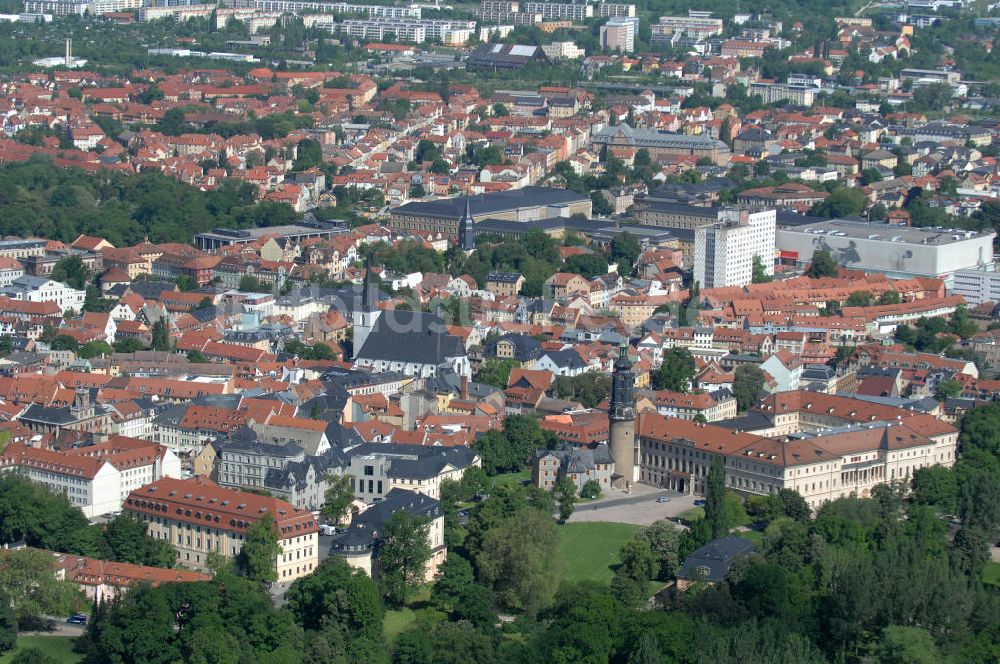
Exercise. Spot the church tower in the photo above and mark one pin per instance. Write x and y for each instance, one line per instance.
(621, 418)
(467, 228)
(366, 312)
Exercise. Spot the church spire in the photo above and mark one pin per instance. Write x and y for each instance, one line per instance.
(366, 286)
(467, 227)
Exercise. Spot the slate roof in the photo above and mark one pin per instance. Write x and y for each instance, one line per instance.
(151, 290)
(566, 359)
(525, 347)
(712, 561)
(366, 527)
(407, 336)
(417, 461)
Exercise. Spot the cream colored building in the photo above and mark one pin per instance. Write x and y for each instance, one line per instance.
(819, 452)
(198, 517)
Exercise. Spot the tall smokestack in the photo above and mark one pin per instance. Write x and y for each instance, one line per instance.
(69, 52)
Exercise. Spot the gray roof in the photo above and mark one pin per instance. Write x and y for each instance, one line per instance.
(366, 527)
(712, 561)
(408, 336)
(416, 461)
(525, 347)
(487, 204)
(652, 137)
(568, 359)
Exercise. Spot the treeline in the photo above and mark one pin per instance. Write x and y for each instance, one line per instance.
(40, 200)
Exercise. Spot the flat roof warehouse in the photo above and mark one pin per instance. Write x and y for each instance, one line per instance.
(886, 232)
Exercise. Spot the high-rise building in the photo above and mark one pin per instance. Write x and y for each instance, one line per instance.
(618, 34)
(621, 420)
(724, 251)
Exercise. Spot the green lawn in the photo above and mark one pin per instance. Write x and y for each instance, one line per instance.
(59, 648)
(398, 621)
(589, 550)
(754, 536)
(519, 477)
(991, 574)
(693, 514)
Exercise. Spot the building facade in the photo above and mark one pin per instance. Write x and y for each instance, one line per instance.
(198, 517)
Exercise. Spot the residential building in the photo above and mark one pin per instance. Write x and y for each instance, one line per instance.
(94, 478)
(581, 465)
(376, 469)
(198, 517)
(618, 34)
(106, 580)
(359, 544)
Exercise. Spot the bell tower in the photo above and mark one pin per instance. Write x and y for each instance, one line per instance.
(621, 418)
(366, 312)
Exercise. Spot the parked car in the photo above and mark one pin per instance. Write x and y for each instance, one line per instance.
(663, 499)
(699, 503)
(77, 619)
(327, 529)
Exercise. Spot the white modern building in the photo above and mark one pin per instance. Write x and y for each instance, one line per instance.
(96, 478)
(899, 252)
(39, 289)
(977, 286)
(724, 251)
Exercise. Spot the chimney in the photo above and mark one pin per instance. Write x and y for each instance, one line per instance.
(69, 52)
(465, 387)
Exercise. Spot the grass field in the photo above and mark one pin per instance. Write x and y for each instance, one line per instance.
(590, 550)
(512, 478)
(754, 536)
(398, 621)
(59, 648)
(693, 514)
(992, 573)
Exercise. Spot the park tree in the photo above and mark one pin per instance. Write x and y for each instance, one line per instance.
(759, 274)
(453, 579)
(8, 625)
(586, 265)
(715, 496)
(565, 491)
(822, 265)
(403, 555)
(936, 485)
(948, 389)
(340, 597)
(257, 559)
(33, 591)
(161, 335)
(591, 489)
(522, 571)
(71, 271)
(748, 384)
(625, 251)
(338, 497)
(676, 371)
(842, 202)
(907, 645)
(495, 371)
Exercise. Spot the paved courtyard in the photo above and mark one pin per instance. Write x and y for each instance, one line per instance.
(639, 506)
